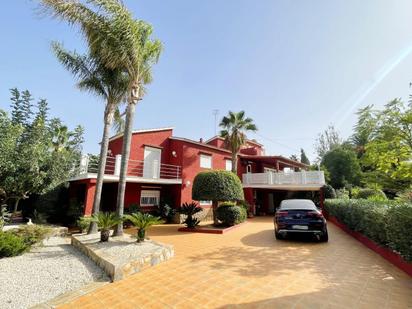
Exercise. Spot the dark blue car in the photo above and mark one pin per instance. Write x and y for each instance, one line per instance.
(300, 216)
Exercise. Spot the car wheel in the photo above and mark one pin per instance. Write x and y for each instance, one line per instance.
(278, 235)
(324, 237)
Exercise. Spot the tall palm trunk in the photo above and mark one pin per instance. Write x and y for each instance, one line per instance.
(234, 162)
(127, 137)
(108, 120)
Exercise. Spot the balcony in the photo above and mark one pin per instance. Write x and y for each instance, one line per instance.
(138, 171)
(304, 180)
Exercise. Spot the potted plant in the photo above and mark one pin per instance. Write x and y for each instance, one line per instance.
(142, 222)
(105, 221)
(189, 210)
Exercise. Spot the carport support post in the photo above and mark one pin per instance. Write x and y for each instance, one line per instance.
(321, 198)
(89, 197)
(248, 192)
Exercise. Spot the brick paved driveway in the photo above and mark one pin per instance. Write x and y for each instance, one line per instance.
(248, 268)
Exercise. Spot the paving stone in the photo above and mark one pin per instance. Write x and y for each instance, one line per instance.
(248, 268)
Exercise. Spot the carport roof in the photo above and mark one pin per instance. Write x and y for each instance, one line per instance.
(273, 160)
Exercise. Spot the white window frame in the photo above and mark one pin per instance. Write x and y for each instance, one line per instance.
(205, 203)
(149, 194)
(228, 164)
(203, 162)
(249, 168)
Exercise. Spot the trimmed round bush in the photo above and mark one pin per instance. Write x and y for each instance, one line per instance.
(12, 245)
(217, 185)
(231, 214)
(329, 191)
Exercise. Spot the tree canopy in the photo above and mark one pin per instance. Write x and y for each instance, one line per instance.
(343, 167)
(36, 153)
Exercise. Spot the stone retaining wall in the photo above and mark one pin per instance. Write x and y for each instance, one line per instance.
(117, 262)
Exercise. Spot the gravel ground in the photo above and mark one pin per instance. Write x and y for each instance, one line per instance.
(126, 249)
(44, 273)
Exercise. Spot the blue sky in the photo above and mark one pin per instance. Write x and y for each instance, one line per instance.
(294, 66)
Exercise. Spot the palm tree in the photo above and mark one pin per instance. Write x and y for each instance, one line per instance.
(105, 221)
(142, 222)
(234, 127)
(120, 42)
(147, 53)
(109, 84)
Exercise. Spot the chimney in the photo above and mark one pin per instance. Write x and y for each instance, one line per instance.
(201, 140)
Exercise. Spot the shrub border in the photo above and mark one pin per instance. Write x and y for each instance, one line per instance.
(392, 257)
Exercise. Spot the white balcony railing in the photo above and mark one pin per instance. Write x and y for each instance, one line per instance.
(293, 178)
(136, 168)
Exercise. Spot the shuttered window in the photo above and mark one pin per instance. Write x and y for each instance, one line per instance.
(205, 161)
(149, 198)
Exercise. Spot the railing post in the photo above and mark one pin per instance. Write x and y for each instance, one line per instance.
(117, 163)
(303, 177)
(270, 178)
(84, 164)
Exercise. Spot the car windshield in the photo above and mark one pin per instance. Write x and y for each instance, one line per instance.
(297, 204)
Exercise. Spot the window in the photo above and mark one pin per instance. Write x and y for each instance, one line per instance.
(205, 203)
(249, 168)
(149, 198)
(228, 165)
(205, 161)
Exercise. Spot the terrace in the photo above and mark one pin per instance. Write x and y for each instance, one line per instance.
(142, 171)
(303, 180)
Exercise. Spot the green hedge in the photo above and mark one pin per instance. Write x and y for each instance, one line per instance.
(367, 193)
(231, 214)
(217, 185)
(388, 223)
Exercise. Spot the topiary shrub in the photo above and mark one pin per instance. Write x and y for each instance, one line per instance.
(329, 191)
(217, 186)
(246, 206)
(230, 214)
(387, 223)
(12, 245)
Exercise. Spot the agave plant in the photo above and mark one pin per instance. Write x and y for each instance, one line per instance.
(142, 222)
(105, 221)
(189, 210)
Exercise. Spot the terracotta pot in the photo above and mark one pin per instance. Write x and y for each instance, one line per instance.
(141, 234)
(104, 235)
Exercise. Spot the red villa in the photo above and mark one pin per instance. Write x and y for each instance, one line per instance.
(163, 166)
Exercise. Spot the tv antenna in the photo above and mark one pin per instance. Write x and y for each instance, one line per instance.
(215, 113)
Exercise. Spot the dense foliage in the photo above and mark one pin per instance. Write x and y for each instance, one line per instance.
(11, 245)
(388, 223)
(343, 167)
(217, 185)
(231, 214)
(368, 193)
(378, 155)
(36, 153)
(17, 241)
